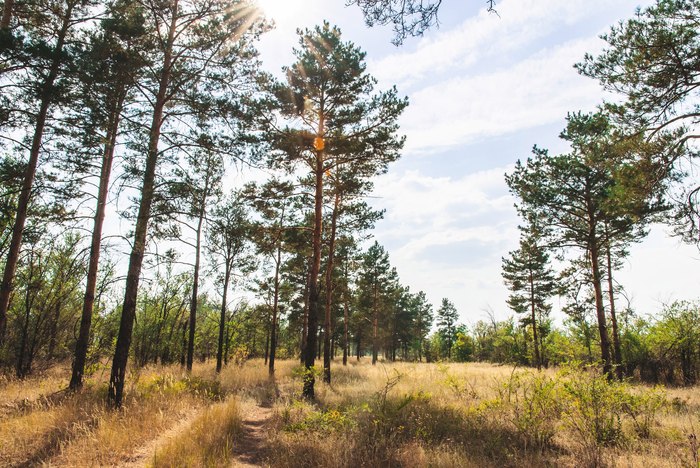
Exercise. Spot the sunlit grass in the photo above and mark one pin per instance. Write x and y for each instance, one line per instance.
(400, 414)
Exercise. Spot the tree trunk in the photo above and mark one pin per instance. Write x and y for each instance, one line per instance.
(83, 342)
(309, 380)
(195, 280)
(535, 341)
(600, 310)
(7, 14)
(617, 348)
(53, 335)
(222, 319)
(345, 329)
(305, 321)
(375, 326)
(275, 308)
(121, 353)
(47, 97)
(329, 293)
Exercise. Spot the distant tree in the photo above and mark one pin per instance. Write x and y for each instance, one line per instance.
(446, 319)
(227, 236)
(422, 321)
(531, 280)
(375, 279)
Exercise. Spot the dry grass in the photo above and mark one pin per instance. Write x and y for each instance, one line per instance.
(208, 441)
(403, 414)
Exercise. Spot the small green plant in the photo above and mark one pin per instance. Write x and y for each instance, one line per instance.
(531, 404)
(643, 407)
(595, 407)
(461, 388)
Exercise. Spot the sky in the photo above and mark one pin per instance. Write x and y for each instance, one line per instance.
(483, 89)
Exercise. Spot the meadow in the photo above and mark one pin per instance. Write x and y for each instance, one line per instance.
(390, 414)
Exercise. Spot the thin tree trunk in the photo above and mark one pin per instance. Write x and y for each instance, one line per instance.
(600, 311)
(7, 14)
(275, 307)
(617, 348)
(267, 339)
(329, 293)
(345, 329)
(535, 342)
(222, 319)
(195, 280)
(309, 380)
(83, 342)
(375, 328)
(305, 321)
(53, 335)
(47, 98)
(121, 353)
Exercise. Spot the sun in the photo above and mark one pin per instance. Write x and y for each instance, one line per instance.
(281, 11)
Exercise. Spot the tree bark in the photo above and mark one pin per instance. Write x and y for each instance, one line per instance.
(222, 319)
(7, 14)
(329, 293)
(47, 97)
(617, 348)
(345, 329)
(121, 353)
(600, 310)
(275, 308)
(535, 341)
(310, 351)
(195, 280)
(82, 344)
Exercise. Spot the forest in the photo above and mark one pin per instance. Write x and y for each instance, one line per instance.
(151, 289)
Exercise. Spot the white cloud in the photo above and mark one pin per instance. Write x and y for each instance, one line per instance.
(482, 38)
(537, 91)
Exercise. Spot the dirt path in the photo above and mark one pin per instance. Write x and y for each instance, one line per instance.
(249, 450)
(140, 457)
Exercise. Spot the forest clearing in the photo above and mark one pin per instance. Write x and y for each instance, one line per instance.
(198, 201)
(390, 414)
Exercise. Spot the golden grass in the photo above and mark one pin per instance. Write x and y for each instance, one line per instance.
(400, 414)
(208, 441)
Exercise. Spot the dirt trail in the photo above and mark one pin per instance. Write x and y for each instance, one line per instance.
(249, 450)
(142, 455)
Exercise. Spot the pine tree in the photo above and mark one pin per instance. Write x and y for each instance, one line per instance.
(446, 320)
(532, 283)
(334, 118)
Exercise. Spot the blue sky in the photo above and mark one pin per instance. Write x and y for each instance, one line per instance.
(483, 89)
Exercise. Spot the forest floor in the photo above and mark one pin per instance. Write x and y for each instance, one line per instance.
(391, 414)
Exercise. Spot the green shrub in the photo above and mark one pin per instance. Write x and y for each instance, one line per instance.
(594, 408)
(532, 406)
(643, 407)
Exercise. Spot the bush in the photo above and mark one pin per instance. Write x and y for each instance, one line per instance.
(594, 408)
(533, 407)
(643, 407)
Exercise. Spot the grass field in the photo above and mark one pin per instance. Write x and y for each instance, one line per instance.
(400, 414)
